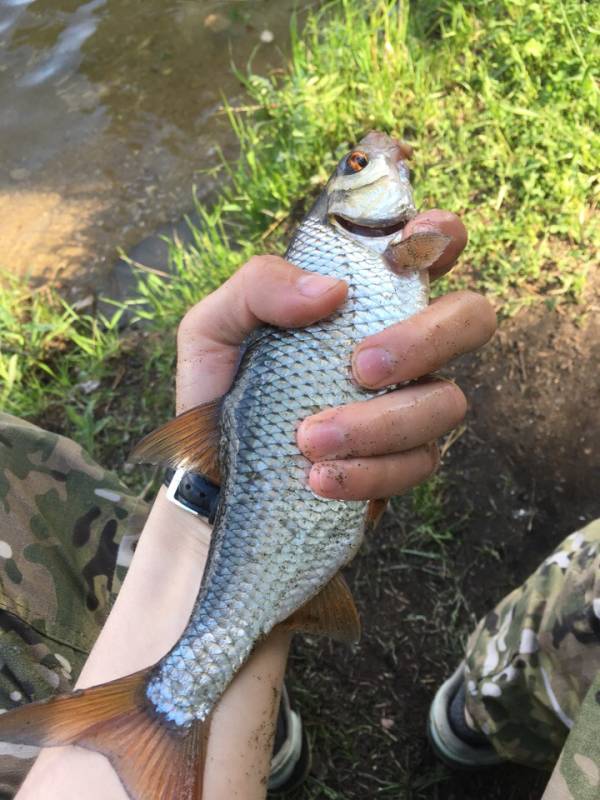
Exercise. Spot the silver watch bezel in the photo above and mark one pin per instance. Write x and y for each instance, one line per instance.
(172, 491)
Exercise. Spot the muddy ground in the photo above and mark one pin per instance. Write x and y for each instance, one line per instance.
(519, 479)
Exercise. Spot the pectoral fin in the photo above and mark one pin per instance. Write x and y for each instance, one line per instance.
(190, 441)
(375, 511)
(331, 612)
(418, 251)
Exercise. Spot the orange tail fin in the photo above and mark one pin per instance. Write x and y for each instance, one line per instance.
(153, 761)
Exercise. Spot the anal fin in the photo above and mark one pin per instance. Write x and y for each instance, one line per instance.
(331, 612)
(190, 441)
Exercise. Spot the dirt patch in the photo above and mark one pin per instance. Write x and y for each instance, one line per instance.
(520, 478)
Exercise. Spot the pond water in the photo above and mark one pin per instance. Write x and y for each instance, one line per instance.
(109, 110)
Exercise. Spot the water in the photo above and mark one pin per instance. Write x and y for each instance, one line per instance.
(109, 110)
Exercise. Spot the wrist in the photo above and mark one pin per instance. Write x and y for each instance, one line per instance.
(173, 526)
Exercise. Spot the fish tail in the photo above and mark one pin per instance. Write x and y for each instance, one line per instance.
(153, 760)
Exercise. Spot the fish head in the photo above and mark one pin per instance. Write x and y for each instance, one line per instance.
(369, 196)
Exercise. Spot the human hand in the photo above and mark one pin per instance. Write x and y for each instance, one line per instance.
(386, 445)
(381, 446)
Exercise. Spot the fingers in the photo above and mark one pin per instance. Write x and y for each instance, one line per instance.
(395, 422)
(441, 222)
(379, 476)
(269, 289)
(265, 290)
(383, 446)
(452, 325)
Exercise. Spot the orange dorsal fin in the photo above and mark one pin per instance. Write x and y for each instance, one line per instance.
(418, 251)
(190, 441)
(331, 611)
(153, 761)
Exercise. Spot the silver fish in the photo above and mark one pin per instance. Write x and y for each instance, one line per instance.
(277, 548)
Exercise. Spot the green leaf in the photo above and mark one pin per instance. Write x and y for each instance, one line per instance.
(534, 48)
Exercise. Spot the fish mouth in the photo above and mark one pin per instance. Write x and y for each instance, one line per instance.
(371, 230)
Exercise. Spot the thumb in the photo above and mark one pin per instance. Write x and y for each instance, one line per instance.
(267, 289)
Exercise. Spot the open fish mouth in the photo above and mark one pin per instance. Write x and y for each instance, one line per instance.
(371, 230)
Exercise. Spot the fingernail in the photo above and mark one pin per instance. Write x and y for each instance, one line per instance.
(372, 366)
(321, 439)
(312, 285)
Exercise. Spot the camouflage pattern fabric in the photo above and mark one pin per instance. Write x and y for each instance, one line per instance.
(577, 774)
(67, 533)
(532, 660)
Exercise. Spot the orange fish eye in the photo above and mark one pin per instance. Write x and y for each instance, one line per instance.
(357, 160)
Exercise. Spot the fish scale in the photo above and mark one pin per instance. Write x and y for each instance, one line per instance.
(276, 544)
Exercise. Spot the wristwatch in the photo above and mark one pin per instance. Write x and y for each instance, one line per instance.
(192, 492)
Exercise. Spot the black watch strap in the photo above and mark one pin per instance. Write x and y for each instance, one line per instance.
(196, 493)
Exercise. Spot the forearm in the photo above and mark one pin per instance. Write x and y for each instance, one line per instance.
(149, 615)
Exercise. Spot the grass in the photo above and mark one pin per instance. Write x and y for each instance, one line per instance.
(498, 96)
(45, 343)
(77, 374)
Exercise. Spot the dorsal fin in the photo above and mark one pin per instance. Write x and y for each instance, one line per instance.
(331, 611)
(190, 441)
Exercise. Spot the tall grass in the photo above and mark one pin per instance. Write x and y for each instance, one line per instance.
(499, 98)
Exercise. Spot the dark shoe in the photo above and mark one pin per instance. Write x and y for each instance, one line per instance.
(453, 741)
(290, 763)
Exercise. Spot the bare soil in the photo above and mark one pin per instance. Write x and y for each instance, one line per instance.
(521, 477)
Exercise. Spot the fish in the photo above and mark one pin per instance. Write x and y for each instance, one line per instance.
(277, 548)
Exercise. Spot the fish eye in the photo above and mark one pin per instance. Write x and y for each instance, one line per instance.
(357, 160)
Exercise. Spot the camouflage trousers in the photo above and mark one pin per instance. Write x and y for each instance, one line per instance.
(533, 669)
(67, 533)
(68, 530)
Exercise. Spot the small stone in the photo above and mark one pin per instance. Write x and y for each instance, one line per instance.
(216, 23)
(20, 174)
(87, 387)
(84, 303)
(267, 37)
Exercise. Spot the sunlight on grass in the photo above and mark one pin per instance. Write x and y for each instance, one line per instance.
(46, 345)
(498, 99)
